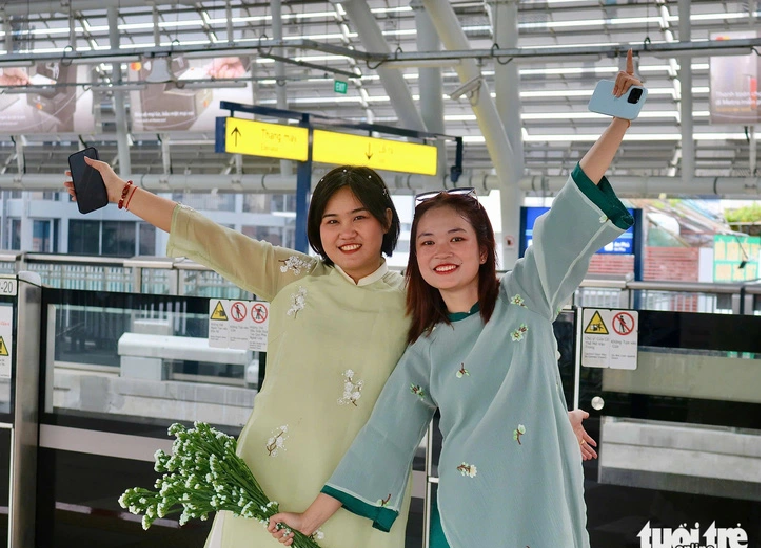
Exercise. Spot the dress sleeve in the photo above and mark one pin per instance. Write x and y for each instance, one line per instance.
(372, 477)
(583, 218)
(253, 265)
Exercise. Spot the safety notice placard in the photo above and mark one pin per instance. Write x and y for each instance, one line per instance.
(241, 325)
(609, 338)
(6, 341)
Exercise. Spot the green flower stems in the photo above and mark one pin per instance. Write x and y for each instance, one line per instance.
(204, 475)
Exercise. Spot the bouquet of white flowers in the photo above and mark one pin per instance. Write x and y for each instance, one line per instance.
(204, 475)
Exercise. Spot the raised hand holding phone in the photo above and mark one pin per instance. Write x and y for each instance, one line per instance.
(622, 98)
(90, 189)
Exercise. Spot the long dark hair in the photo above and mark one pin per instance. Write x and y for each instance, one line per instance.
(425, 306)
(369, 189)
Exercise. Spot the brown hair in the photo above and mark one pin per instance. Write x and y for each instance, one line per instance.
(425, 306)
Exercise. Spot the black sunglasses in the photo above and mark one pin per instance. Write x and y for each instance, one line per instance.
(463, 191)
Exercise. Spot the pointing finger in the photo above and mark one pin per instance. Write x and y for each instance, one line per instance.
(630, 62)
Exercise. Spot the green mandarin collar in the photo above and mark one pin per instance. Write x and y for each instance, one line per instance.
(457, 316)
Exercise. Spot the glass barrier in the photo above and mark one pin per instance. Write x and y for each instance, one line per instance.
(679, 436)
(142, 358)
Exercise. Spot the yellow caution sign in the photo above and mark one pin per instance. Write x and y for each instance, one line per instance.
(343, 148)
(3, 348)
(271, 140)
(219, 313)
(596, 325)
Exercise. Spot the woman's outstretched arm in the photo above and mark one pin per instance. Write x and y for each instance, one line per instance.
(597, 161)
(146, 205)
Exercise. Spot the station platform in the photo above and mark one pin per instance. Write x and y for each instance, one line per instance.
(679, 433)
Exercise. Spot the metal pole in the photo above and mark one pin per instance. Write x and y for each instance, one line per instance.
(156, 31)
(229, 21)
(639, 254)
(8, 32)
(281, 92)
(303, 187)
(122, 142)
(506, 86)
(506, 77)
(430, 84)
(685, 80)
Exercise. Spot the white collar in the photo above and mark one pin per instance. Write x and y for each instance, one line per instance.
(370, 278)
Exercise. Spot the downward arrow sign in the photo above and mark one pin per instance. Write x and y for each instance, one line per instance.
(369, 152)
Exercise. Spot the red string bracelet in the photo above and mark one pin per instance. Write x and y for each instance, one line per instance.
(134, 191)
(125, 191)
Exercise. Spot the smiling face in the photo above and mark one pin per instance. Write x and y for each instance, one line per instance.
(350, 235)
(448, 256)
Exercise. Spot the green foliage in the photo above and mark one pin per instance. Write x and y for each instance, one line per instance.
(746, 214)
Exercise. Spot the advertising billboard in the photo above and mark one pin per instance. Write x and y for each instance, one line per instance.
(55, 103)
(180, 102)
(734, 84)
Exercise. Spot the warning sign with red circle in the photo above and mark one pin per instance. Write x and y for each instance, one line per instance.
(238, 325)
(623, 323)
(259, 313)
(609, 339)
(238, 311)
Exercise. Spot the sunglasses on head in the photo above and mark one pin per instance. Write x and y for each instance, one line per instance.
(463, 191)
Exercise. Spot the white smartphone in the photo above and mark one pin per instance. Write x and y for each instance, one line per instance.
(627, 106)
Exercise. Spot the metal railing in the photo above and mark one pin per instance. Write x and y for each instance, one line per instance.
(164, 276)
(156, 275)
(715, 298)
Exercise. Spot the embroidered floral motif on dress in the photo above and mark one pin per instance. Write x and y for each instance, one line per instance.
(518, 432)
(415, 389)
(277, 442)
(467, 470)
(186, 207)
(352, 389)
(295, 264)
(298, 300)
(516, 299)
(462, 372)
(383, 503)
(518, 334)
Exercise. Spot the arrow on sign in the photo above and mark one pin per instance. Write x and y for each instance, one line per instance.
(236, 133)
(369, 152)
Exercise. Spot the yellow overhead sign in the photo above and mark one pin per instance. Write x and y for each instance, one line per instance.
(343, 148)
(272, 140)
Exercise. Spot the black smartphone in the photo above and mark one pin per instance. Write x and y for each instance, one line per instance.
(88, 184)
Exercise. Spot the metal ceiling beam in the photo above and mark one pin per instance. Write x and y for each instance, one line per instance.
(392, 80)
(748, 188)
(557, 53)
(487, 116)
(58, 6)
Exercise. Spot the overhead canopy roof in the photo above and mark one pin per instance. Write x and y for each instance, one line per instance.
(554, 90)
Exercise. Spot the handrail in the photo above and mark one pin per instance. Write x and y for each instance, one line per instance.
(165, 263)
